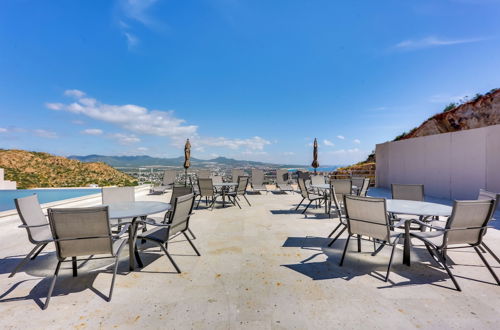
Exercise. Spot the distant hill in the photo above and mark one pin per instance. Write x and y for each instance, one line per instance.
(38, 169)
(140, 161)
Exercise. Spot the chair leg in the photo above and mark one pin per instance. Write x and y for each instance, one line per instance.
(237, 203)
(170, 258)
(138, 257)
(74, 265)
(336, 237)
(487, 264)
(198, 205)
(300, 203)
(247, 200)
(52, 284)
(359, 243)
(382, 245)
(307, 207)
(390, 259)
(39, 250)
(443, 262)
(115, 269)
(345, 250)
(24, 261)
(192, 234)
(490, 252)
(192, 245)
(333, 231)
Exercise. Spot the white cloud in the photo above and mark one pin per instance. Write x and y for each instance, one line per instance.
(137, 10)
(3, 130)
(132, 40)
(254, 143)
(341, 137)
(92, 131)
(448, 98)
(433, 42)
(54, 106)
(73, 93)
(344, 151)
(328, 143)
(45, 134)
(134, 118)
(124, 138)
(142, 149)
(78, 122)
(357, 141)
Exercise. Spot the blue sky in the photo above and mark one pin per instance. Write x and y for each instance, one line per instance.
(249, 79)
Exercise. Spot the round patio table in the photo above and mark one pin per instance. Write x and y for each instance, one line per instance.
(135, 211)
(224, 187)
(421, 209)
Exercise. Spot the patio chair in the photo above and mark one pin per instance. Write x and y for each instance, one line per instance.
(203, 174)
(36, 225)
(177, 224)
(306, 195)
(194, 185)
(367, 216)
(236, 173)
(167, 183)
(465, 228)
(117, 195)
(282, 179)
(207, 190)
(409, 192)
(358, 182)
(317, 179)
(258, 180)
(241, 190)
(83, 232)
(364, 187)
(340, 210)
(177, 192)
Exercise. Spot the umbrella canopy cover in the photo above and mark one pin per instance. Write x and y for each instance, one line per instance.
(315, 163)
(187, 154)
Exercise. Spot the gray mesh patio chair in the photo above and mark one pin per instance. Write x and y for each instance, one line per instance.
(364, 187)
(409, 192)
(317, 179)
(169, 177)
(465, 228)
(203, 174)
(177, 192)
(36, 225)
(177, 224)
(339, 209)
(236, 173)
(282, 180)
(367, 216)
(241, 190)
(358, 182)
(341, 187)
(194, 184)
(81, 232)
(306, 195)
(117, 195)
(258, 180)
(207, 190)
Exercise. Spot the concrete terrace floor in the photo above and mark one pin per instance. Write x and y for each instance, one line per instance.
(262, 267)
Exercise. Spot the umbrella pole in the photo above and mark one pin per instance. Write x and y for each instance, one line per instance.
(186, 177)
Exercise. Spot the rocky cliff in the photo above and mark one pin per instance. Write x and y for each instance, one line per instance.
(38, 169)
(483, 110)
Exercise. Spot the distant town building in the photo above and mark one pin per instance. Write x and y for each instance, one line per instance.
(5, 184)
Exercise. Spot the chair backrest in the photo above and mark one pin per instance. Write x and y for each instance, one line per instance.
(336, 202)
(194, 184)
(31, 214)
(206, 187)
(257, 177)
(203, 174)
(468, 221)
(236, 173)
(364, 188)
(117, 195)
(303, 189)
(180, 191)
(304, 175)
(341, 187)
(357, 181)
(409, 192)
(282, 177)
(217, 179)
(81, 231)
(242, 185)
(169, 177)
(485, 194)
(317, 179)
(181, 211)
(367, 216)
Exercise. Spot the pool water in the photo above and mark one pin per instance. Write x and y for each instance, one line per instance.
(44, 195)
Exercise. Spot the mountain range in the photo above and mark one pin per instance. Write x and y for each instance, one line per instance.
(141, 161)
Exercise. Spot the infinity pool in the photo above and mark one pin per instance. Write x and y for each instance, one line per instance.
(44, 195)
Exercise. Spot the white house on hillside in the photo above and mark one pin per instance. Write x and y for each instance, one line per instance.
(5, 184)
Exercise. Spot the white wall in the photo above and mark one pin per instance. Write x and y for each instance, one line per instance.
(6, 184)
(450, 165)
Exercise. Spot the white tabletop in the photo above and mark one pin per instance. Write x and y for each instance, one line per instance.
(327, 186)
(418, 208)
(226, 184)
(124, 210)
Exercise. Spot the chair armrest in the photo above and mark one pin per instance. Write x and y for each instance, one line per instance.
(159, 224)
(425, 224)
(33, 226)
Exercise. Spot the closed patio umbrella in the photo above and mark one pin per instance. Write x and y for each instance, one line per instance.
(187, 159)
(315, 163)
